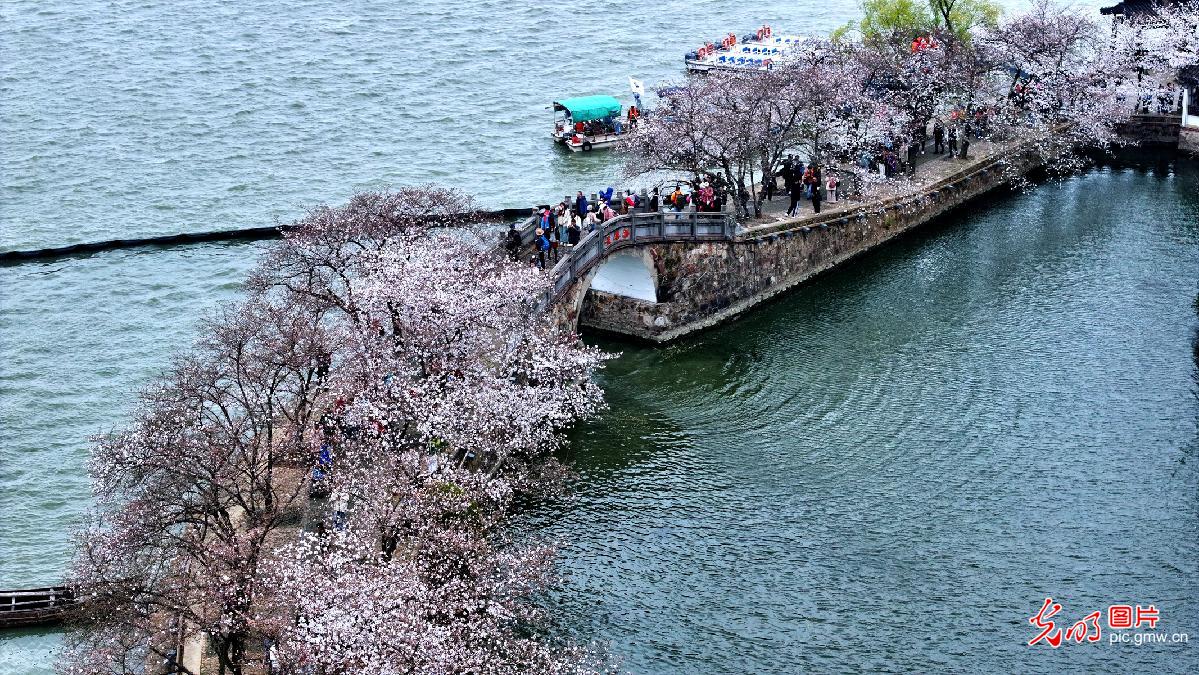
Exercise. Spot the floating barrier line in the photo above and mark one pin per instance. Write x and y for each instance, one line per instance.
(185, 239)
(182, 239)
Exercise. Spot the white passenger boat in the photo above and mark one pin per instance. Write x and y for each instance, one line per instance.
(761, 50)
(588, 123)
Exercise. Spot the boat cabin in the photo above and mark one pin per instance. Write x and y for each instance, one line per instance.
(588, 122)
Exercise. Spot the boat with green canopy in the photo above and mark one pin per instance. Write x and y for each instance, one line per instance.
(588, 123)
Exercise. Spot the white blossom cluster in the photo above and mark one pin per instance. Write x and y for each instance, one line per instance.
(1050, 79)
(320, 485)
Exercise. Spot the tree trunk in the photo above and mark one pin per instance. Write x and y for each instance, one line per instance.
(754, 194)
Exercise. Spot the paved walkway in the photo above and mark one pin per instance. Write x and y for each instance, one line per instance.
(929, 169)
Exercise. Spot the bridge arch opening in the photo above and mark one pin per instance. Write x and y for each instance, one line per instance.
(629, 273)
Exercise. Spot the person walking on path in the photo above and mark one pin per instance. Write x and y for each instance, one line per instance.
(816, 185)
(767, 185)
(707, 197)
(797, 170)
(796, 191)
(953, 141)
(938, 138)
(832, 188)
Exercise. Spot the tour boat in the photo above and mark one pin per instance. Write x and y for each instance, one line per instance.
(761, 50)
(578, 121)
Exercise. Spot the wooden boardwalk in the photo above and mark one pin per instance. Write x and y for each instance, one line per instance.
(34, 606)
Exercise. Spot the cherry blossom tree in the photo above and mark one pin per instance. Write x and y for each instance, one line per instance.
(187, 497)
(1164, 39)
(409, 370)
(832, 112)
(456, 389)
(704, 125)
(1060, 82)
(741, 125)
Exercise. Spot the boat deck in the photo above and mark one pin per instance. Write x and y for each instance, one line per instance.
(750, 55)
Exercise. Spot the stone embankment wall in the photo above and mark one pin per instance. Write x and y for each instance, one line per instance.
(1149, 129)
(702, 285)
(1188, 140)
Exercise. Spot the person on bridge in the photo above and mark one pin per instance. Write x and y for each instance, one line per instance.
(797, 170)
(563, 220)
(653, 201)
(574, 232)
(555, 242)
(543, 247)
(512, 244)
(707, 197)
(581, 205)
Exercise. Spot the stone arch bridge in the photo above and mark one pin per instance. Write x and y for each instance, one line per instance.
(662, 275)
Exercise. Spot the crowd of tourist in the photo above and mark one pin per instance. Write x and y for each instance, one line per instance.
(800, 183)
(563, 225)
(949, 138)
(1166, 100)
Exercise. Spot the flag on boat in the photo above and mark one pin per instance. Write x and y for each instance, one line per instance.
(636, 85)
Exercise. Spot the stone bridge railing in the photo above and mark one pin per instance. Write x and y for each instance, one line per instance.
(631, 230)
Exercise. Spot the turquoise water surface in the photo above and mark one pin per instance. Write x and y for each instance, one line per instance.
(888, 469)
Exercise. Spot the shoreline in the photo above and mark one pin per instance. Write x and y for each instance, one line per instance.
(765, 260)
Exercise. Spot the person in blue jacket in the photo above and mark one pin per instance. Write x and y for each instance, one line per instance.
(543, 246)
(581, 205)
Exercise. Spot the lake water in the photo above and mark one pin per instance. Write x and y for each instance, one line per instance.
(136, 118)
(889, 468)
(892, 467)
